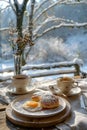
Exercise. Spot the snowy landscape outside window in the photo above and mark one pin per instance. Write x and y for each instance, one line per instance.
(59, 31)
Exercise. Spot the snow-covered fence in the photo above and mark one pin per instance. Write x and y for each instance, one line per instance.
(47, 69)
(56, 69)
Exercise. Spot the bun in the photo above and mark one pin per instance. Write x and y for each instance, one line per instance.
(49, 101)
(36, 98)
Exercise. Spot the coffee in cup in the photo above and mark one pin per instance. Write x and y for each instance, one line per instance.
(20, 82)
(65, 84)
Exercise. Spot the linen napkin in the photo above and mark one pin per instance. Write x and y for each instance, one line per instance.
(83, 85)
(85, 100)
(78, 121)
(5, 96)
(63, 126)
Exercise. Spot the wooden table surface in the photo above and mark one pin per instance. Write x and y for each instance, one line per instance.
(5, 124)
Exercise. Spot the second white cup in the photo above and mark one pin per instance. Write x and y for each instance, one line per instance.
(65, 84)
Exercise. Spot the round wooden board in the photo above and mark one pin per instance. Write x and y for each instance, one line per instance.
(36, 122)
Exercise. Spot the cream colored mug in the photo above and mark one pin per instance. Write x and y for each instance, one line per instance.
(20, 82)
(65, 84)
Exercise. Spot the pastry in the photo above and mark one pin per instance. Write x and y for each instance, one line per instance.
(49, 101)
(36, 98)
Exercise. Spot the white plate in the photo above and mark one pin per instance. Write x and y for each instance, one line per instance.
(17, 106)
(12, 89)
(74, 91)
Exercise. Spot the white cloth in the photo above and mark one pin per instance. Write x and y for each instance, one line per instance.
(83, 84)
(78, 121)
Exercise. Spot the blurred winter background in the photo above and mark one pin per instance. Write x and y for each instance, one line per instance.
(62, 44)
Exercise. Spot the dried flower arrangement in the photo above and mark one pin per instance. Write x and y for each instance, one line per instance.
(19, 43)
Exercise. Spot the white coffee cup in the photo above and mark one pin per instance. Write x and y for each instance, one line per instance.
(20, 82)
(65, 84)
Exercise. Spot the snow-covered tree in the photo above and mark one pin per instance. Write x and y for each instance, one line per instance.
(41, 17)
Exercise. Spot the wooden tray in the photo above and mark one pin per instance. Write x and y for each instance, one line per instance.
(38, 122)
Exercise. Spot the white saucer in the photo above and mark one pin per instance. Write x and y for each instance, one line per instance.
(74, 91)
(12, 89)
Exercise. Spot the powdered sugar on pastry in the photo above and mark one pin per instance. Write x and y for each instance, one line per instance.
(49, 101)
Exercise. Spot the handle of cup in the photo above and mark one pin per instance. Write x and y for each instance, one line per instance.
(75, 84)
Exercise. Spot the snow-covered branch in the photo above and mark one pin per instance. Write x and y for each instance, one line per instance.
(52, 19)
(46, 9)
(31, 20)
(4, 1)
(12, 6)
(39, 5)
(2, 9)
(56, 3)
(4, 29)
(59, 26)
